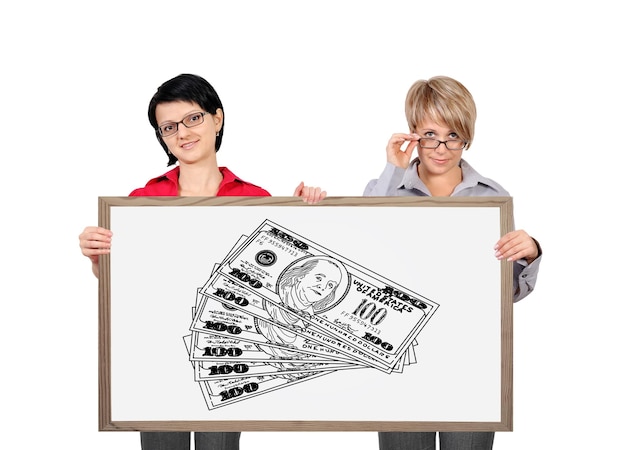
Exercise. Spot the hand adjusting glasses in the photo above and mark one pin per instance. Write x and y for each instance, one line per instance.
(190, 120)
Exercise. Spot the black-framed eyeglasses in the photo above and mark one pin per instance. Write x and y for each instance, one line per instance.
(190, 120)
(452, 144)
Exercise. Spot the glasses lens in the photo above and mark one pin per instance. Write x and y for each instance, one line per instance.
(167, 129)
(455, 144)
(193, 119)
(429, 143)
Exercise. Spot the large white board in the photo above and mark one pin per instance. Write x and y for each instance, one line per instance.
(435, 255)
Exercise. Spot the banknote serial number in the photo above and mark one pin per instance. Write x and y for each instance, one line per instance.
(361, 322)
(280, 245)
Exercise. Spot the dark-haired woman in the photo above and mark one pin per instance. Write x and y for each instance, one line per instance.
(188, 118)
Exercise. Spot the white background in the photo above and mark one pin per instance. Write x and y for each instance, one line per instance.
(312, 91)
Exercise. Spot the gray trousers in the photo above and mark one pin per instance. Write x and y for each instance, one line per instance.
(426, 441)
(181, 440)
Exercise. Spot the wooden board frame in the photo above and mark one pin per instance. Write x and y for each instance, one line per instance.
(107, 421)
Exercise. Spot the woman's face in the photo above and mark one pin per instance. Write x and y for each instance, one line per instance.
(440, 160)
(189, 144)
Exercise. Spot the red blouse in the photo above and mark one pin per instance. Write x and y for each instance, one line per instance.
(167, 185)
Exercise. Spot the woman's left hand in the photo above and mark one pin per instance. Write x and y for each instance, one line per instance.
(310, 195)
(516, 245)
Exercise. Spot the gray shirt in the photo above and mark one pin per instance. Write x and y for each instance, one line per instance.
(394, 182)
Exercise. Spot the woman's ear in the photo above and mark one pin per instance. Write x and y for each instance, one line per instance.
(218, 118)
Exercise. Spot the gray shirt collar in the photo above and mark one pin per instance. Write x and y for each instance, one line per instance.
(471, 179)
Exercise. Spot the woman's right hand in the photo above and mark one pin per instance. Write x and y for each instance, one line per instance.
(395, 154)
(95, 241)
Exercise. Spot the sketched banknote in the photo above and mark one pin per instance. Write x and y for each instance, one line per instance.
(296, 309)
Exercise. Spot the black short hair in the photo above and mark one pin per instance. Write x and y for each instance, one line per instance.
(189, 88)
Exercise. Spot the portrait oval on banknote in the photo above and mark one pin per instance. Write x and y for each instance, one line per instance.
(314, 282)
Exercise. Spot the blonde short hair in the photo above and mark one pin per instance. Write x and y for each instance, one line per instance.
(444, 101)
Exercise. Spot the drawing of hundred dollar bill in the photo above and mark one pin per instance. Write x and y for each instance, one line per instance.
(223, 392)
(216, 318)
(238, 368)
(228, 345)
(283, 328)
(301, 278)
(218, 393)
(212, 348)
